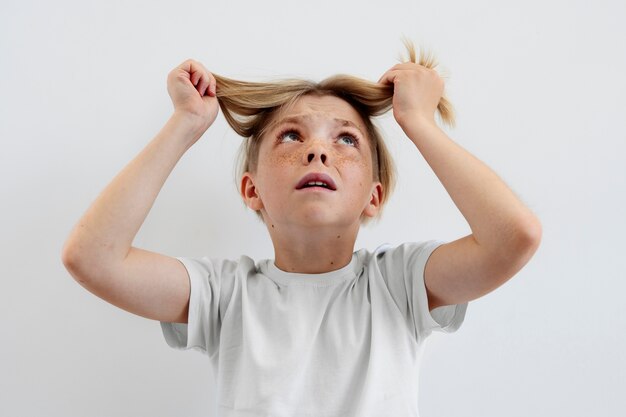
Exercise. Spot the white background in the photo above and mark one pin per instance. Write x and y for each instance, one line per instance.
(539, 92)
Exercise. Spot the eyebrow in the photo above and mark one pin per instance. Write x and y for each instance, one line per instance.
(292, 119)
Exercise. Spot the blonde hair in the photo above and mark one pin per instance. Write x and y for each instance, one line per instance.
(251, 107)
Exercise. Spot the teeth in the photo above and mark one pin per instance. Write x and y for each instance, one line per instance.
(312, 183)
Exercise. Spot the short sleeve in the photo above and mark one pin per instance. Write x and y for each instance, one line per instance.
(404, 266)
(446, 319)
(201, 332)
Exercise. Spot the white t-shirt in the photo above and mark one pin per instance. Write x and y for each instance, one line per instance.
(341, 343)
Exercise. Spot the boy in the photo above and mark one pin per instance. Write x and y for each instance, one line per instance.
(321, 329)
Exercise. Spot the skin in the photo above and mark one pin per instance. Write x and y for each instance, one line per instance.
(312, 230)
(315, 233)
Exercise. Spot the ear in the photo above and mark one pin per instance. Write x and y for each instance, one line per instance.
(374, 204)
(249, 192)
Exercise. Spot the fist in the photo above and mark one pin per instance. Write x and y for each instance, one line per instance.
(417, 91)
(192, 90)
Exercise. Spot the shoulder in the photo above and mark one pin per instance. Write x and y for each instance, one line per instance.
(406, 253)
(216, 267)
(405, 260)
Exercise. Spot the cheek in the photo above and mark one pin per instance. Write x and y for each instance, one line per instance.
(360, 166)
(340, 159)
(276, 169)
(284, 158)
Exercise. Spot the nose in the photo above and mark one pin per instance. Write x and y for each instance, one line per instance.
(311, 156)
(317, 150)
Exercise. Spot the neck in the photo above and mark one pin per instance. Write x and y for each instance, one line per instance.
(315, 250)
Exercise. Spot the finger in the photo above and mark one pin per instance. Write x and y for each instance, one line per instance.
(394, 71)
(203, 84)
(388, 77)
(193, 69)
(207, 79)
(394, 68)
(407, 66)
(211, 79)
(382, 78)
(195, 77)
(213, 86)
(200, 77)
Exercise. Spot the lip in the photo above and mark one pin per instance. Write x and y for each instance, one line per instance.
(317, 176)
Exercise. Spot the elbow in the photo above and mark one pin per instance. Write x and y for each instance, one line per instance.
(69, 260)
(70, 256)
(515, 255)
(530, 233)
(526, 242)
(76, 269)
(67, 256)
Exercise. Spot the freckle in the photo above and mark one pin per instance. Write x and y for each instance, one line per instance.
(332, 263)
(272, 225)
(338, 236)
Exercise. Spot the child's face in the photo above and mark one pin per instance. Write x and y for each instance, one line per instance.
(315, 143)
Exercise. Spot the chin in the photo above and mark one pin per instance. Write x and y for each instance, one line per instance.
(317, 216)
(324, 219)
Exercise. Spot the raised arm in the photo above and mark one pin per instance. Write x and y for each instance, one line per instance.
(98, 251)
(505, 233)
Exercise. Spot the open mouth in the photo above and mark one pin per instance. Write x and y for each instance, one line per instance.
(316, 181)
(317, 185)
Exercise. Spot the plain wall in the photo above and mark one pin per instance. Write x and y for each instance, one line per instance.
(538, 88)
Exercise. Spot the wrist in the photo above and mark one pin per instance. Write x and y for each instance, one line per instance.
(189, 125)
(414, 126)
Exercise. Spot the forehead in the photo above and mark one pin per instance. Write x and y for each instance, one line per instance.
(310, 108)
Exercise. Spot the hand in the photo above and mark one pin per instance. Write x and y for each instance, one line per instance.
(192, 89)
(416, 92)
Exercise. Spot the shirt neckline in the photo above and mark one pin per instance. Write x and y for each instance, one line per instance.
(341, 274)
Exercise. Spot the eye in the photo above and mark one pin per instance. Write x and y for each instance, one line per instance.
(288, 133)
(351, 139)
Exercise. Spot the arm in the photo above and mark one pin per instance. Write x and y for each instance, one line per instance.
(104, 234)
(505, 233)
(98, 251)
